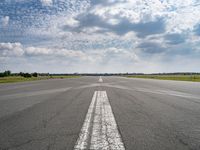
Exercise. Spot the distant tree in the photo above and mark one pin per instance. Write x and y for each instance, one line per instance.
(21, 74)
(5, 73)
(1, 74)
(27, 75)
(35, 74)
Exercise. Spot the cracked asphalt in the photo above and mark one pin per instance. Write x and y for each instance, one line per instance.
(150, 114)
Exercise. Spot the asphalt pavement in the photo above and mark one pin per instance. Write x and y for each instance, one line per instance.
(100, 113)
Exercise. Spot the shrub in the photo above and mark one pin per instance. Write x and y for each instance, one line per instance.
(5, 73)
(21, 74)
(35, 74)
(27, 75)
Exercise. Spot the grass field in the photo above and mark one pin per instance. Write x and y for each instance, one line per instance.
(194, 78)
(13, 79)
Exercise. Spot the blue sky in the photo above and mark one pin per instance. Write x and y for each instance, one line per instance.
(61, 36)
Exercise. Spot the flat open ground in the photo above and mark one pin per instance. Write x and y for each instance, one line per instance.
(193, 78)
(92, 113)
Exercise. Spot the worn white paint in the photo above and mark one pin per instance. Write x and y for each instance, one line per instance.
(82, 141)
(99, 130)
(100, 79)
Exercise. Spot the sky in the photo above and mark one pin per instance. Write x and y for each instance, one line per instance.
(98, 36)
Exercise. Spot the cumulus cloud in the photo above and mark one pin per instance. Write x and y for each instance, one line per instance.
(17, 49)
(11, 49)
(179, 15)
(116, 53)
(47, 2)
(107, 33)
(120, 27)
(98, 55)
(5, 21)
(37, 51)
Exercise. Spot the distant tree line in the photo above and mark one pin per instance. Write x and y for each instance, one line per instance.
(5, 73)
(35, 74)
(125, 74)
(8, 73)
(28, 75)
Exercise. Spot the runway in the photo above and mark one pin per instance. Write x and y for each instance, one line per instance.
(100, 113)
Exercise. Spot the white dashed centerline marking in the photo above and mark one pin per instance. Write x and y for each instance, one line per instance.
(99, 130)
(100, 79)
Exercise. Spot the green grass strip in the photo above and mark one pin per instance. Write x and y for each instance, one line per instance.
(13, 79)
(193, 78)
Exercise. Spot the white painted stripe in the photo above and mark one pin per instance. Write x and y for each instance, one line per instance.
(82, 141)
(100, 79)
(103, 133)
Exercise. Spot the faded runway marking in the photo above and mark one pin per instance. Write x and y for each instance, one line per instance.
(99, 130)
(100, 79)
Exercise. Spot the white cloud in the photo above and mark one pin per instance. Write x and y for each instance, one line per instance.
(17, 49)
(47, 2)
(11, 49)
(135, 11)
(113, 55)
(183, 19)
(122, 53)
(70, 21)
(97, 56)
(179, 15)
(37, 51)
(113, 21)
(5, 21)
(98, 44)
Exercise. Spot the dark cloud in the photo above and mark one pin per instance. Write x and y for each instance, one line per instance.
(96, 2)
(175, 38)
(151, 47)
(142, 29)
(104, 2)
(168, 51)
(197, 30)
(182, 49)
(124, 26)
